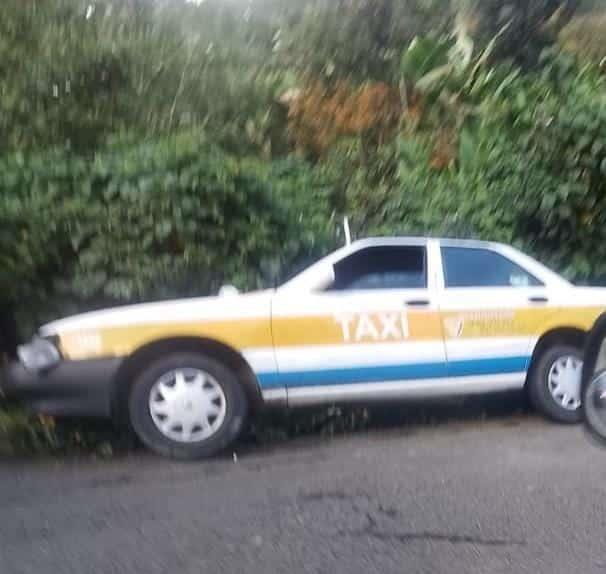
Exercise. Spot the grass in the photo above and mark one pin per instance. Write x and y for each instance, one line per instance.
(24, 434)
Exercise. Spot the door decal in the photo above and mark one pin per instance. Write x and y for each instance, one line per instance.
(364, 327)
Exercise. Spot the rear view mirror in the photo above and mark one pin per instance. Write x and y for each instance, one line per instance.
(228, 291)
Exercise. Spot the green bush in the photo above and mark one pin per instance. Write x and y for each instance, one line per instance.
(22, 433)
(584, 36)
(172, 217)
(74, 73)
(529, 166)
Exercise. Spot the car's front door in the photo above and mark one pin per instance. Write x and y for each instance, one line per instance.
(490, 309)
(374, 332)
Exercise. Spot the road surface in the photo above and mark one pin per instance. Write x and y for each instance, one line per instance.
(511, 493)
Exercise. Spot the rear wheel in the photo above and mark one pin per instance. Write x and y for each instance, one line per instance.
(555, 383)
(187, 406)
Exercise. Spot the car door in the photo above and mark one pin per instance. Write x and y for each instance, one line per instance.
(373, 332)
(490, 308)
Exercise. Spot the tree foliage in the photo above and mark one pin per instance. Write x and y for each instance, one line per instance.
(584, 36)
(321, 115)
(359, 40)
(525, 27)
(528, 167)
(151, 148)
(149, 220)
(75, 73)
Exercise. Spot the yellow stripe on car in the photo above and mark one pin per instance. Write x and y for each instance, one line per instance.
(302, 331)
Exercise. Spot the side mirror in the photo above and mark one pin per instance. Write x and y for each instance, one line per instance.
(228, 291)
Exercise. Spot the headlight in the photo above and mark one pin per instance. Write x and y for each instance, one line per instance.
(39, 354)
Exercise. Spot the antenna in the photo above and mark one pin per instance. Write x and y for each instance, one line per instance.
(347, 231)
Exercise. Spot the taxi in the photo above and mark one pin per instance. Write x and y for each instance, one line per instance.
(380, 319)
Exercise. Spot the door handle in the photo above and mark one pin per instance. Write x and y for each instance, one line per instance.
(417, 303)
(538, 299)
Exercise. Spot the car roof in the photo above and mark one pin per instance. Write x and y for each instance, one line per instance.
(415, 240)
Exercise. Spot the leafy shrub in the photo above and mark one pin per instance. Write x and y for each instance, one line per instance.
(173, 217)
(321, 115)
(584, 36)
(358, 40)
(529, 167)
(525, 27)
(75, 73)
(22, 433)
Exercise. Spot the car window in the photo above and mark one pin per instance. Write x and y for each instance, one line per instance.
(388, 267)
(467, 267)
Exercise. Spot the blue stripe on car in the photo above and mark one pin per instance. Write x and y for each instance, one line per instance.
(471, 367)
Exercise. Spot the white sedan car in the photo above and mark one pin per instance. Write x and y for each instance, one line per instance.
(380, 319)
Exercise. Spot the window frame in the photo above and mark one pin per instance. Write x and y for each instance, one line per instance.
(423, 247)
(313, 279)
(541, 283)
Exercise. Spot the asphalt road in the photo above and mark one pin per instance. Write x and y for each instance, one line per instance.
(511, 493)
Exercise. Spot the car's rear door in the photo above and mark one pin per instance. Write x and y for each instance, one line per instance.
(375, 332)
(490, 308)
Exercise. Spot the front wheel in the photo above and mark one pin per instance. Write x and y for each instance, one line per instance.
(555, 384)
(187, 406)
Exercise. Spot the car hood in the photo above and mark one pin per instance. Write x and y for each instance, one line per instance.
(217, 308)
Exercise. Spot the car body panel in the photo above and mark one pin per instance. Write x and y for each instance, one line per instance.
(72, 388)
(359, 338)
(239, 321)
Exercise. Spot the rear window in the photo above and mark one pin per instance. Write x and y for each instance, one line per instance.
(471, 267)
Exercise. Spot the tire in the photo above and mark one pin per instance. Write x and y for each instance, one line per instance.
(593, 346)
(206, 391)
(539, 384)
(594, 408)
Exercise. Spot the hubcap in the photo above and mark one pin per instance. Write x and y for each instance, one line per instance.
(187, 405)
(564, 382)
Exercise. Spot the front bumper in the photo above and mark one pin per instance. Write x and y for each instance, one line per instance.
(71, 388)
